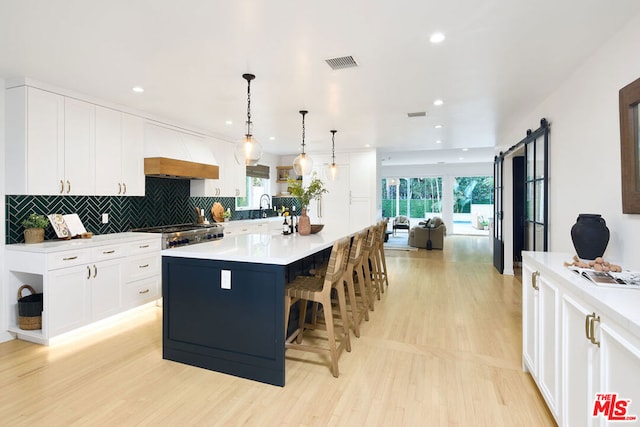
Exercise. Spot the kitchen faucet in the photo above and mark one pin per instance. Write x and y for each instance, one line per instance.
(264, 211)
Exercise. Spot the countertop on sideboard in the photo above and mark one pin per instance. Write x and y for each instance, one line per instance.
(49, 246)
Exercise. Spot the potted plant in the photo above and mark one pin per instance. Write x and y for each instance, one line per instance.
(226, 215)
(313, 191)
(34, 227)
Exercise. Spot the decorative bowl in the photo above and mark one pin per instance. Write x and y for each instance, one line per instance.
(316, 228)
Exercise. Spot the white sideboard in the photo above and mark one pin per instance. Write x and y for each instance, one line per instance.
(579, 340)
(83, 280)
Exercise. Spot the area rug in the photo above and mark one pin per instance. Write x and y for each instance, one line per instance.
(398, 243)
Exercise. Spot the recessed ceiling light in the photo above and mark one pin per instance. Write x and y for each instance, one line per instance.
(438, 126)
(367, 145)
(465, 149)
(438, 102)
(137, 89)
(228, 122)
(438, 142)
(436, 38)
(272, 138)
(460, 158)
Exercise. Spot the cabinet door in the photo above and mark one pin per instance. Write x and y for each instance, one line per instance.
(619, 366)
(529, 322)
(132, 161)
(549, 341)
(108, 152)
(579, 360)
(45, 143)
(213, 153)
(362, 185)
(67, 300)
(104, 284)
(233, 175)
(79, 147)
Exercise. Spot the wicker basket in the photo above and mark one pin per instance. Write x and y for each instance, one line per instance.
(29, 309)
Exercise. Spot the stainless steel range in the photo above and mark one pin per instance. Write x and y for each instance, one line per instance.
(185, 234)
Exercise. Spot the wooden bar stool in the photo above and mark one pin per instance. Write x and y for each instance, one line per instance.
(381, 256)
(359, 306)
(369, 266)
(318, 289)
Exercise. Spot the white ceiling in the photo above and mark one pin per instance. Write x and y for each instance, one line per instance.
(499, 60)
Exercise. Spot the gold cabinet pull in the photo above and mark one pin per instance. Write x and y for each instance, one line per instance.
(119, 188)
(61, 186)
(589, 327)
(109, 252)
(534, 280)
(594, 319)
(88, 272)
(68, 187)
(143, 246)
(143, 266)
(70, 258)
(146, 291)
(124, 188)
(95, 271)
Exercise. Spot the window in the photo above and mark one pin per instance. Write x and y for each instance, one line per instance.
(413, 197)
(255, 187)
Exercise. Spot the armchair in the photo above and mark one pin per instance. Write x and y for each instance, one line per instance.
(434, 230)
(401, 223)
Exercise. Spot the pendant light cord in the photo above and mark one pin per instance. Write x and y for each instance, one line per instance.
(303, 112)
(248, 107)
(333, 147)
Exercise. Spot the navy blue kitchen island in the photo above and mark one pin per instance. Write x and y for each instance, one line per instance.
(223, 301)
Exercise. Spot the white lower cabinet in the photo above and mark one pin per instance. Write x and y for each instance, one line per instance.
(67, 302)
(581, 343)
(541, 341)
(579, 358)
(86, 284)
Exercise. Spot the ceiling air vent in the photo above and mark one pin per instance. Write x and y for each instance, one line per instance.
(342, 62)
(417, 114)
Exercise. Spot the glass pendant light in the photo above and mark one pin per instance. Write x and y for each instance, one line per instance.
(248, 151)
(333, 169)
(303, 164)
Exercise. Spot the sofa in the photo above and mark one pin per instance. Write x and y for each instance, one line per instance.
(433, 229)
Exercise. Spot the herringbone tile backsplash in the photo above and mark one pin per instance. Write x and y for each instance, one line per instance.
(166, 201)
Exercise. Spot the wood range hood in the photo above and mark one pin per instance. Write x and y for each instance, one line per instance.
(163, 167)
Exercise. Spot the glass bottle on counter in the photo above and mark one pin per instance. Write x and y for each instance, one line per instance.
(285, 226)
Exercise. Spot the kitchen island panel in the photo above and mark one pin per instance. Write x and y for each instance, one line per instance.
(238, 331)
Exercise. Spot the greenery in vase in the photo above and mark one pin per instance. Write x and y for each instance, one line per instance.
(314, 190)
(35, 221)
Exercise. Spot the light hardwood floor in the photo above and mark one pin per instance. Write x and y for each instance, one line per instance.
(443, 348)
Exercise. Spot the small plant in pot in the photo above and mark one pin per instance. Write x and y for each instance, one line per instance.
(34, 227)
(314, 191)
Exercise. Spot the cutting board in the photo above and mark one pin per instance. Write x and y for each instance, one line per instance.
(217, 212)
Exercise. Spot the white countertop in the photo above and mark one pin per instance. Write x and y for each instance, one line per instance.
(263, 248)
(622, 305)
(63, 245)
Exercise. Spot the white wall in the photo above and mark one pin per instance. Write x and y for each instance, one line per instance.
(4, 316)
(584, 149)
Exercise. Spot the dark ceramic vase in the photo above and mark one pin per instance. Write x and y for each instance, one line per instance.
(590, 236)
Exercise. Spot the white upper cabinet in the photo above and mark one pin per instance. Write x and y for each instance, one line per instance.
(132, 161)
(119, 153)
(231, 182)
(58, 145)
(79, 147)
(35, 142)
